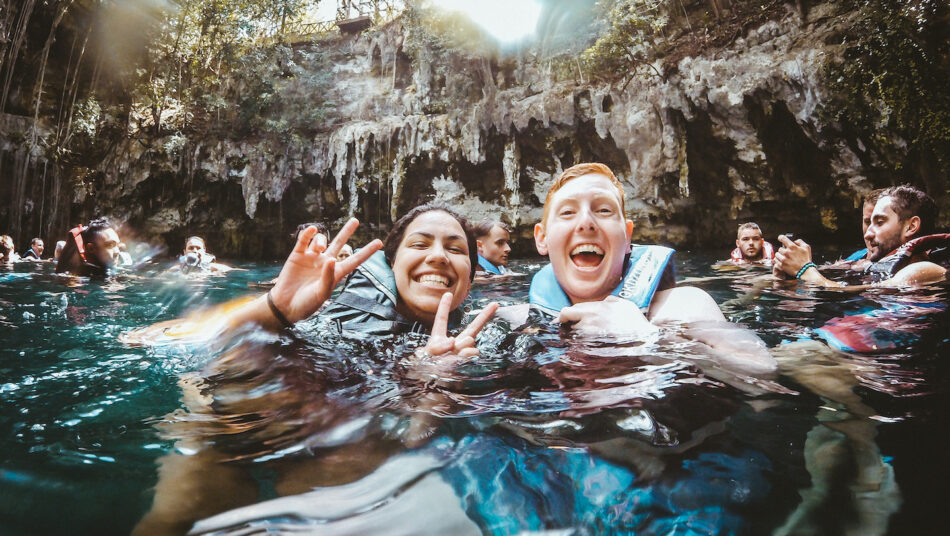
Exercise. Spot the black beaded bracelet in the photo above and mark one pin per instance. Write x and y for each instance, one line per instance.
(277, 314)
(804, 268)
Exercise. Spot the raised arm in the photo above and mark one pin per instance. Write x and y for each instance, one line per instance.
(304, 284)
(306, 279)
(794, 259)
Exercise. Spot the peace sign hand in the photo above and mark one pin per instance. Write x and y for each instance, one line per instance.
(311, 271)
(443, 353)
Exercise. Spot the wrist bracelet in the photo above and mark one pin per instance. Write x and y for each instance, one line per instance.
(805, 268)
(277, 314)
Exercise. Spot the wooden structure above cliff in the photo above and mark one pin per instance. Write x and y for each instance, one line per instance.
(353, 16)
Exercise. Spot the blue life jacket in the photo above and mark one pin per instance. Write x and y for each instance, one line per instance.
(489, 267)
(367, 304)
(646, 268)
(857, 255)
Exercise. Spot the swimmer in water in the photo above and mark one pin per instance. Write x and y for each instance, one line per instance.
(8, 250)
(415, 284)
(195, 257)
(345, 252)
(60, 244)
(90, 251)
(751, 248)
(903, 250)
(597, 283)
(35, 253)
(424, 272)
(492, 238)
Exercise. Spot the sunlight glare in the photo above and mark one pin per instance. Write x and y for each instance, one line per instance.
(508, 21)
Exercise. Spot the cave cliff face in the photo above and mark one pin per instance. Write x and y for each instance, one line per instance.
(725, 137)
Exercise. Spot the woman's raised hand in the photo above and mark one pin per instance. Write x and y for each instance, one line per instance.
(442, 353)
(311, 271)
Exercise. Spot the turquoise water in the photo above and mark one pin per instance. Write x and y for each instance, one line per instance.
(543, 432)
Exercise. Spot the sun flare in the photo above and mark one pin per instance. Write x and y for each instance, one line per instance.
(507, 21)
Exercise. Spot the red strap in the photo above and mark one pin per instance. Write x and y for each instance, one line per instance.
(76, 233)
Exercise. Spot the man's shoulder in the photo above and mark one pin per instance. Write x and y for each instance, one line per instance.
(918, 273)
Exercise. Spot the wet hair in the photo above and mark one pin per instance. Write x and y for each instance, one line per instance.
(394, 238)
(909, 201)
(6, 245)
(321, 228)
(748, 225)
(871, 197)
(580, 170)
(88, 234)
(484, 227)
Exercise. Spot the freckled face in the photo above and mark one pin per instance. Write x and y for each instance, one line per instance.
(586, 237)
(432, 259)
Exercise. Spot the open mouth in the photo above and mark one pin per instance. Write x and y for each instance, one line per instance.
(434, 280)
(587, 256)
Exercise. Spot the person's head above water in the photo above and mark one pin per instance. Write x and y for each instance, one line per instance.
(900, 214)
(89, 250)
(7, 248)
(194, 244)
(749, 241)
(37, 246)
(321, 229)
(431, 251)
(492, 239)
(584, 232)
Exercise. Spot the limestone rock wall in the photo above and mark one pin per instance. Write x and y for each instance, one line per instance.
(726, 137)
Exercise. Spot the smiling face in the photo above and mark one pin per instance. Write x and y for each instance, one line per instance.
(494, 246)
(37, 246)
(750, 244)
(887, 231)
(432, 259)
(586, 237)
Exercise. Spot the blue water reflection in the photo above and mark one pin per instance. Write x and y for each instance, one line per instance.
(543, 432)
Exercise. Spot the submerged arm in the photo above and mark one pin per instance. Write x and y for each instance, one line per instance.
(733, 346)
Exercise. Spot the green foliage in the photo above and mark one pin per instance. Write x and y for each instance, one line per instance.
(630, 40)
(281, 92)
(891, 82)
(202, 49)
